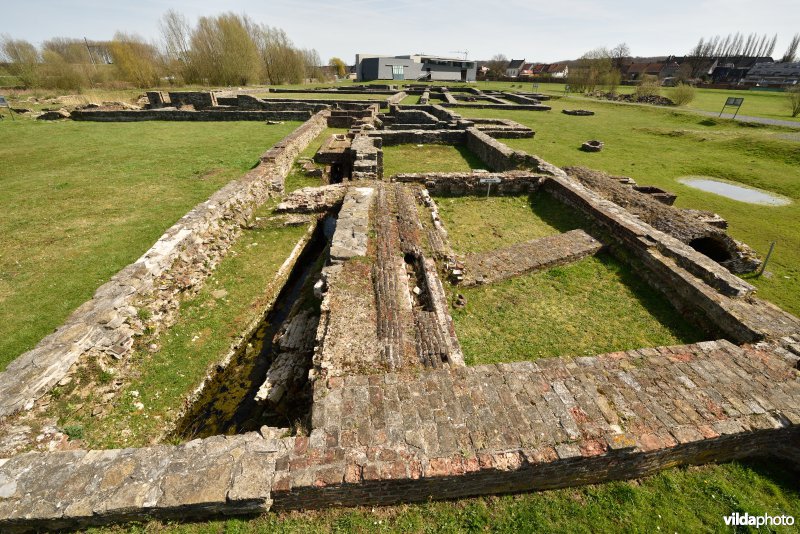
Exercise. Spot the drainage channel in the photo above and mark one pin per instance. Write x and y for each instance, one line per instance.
(228, 404)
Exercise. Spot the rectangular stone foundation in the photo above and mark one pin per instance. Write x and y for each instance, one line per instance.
(439, 434)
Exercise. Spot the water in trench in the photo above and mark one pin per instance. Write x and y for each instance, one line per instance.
(227, 404)
(735, 192)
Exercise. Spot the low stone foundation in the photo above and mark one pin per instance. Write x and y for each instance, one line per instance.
(528, 257)
(183, 115)
(624, 192)
(469, 183)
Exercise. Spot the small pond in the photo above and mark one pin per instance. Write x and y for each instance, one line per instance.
(735, 192)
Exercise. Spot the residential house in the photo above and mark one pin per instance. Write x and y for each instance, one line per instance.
(527, 70)
(539, 69)
(773, 75)
(735, 69)
(637, 71)
(514, 67)
(558, 70)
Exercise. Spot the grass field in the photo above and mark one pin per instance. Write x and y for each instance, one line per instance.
(767, 104)
(590, 307)
(593, 306)
(81, 200)
(477, 224)
(428, 158)
(657, 146)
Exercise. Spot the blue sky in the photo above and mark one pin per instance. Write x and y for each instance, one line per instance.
(536, 30)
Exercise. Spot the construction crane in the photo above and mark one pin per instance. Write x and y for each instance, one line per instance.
(466, 54)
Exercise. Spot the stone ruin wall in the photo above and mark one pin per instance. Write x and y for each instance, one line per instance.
(441, 434)
(469, 183)
(181, 259)
(454, 432)
(215, 115)
(679, 224)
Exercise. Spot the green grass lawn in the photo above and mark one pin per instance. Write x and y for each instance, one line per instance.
(428, 158)
(71, 184)
(81, 200)
(206, 327)
(593, 306)
(477, 224)
(767, 104)
(691, 499)
(657, 146)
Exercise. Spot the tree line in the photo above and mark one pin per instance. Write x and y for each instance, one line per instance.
(225, 50)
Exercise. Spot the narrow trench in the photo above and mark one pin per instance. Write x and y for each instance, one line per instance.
(420, 294)
(228, 405)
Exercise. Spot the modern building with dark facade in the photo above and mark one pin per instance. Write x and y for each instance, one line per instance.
(416, 67)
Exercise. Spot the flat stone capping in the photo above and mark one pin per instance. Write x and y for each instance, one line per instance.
(577, 112)
(312, 199)
(350, 237)
(200, 479)
(527, 257)
(184, 115)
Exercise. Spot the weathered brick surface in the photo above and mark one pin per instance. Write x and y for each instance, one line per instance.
(439, 434)
(537, 425)
(530, 256)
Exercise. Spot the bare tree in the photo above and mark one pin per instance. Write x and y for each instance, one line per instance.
(791, 51)
(176, 32)
(619, 53)
(594, 68)
(283, 63)
(497, 65)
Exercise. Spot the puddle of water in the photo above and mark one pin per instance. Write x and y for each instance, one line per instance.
(735, 192)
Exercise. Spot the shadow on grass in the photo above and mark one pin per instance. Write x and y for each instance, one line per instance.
(470, 157)
(654, 302)
(555, 213)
